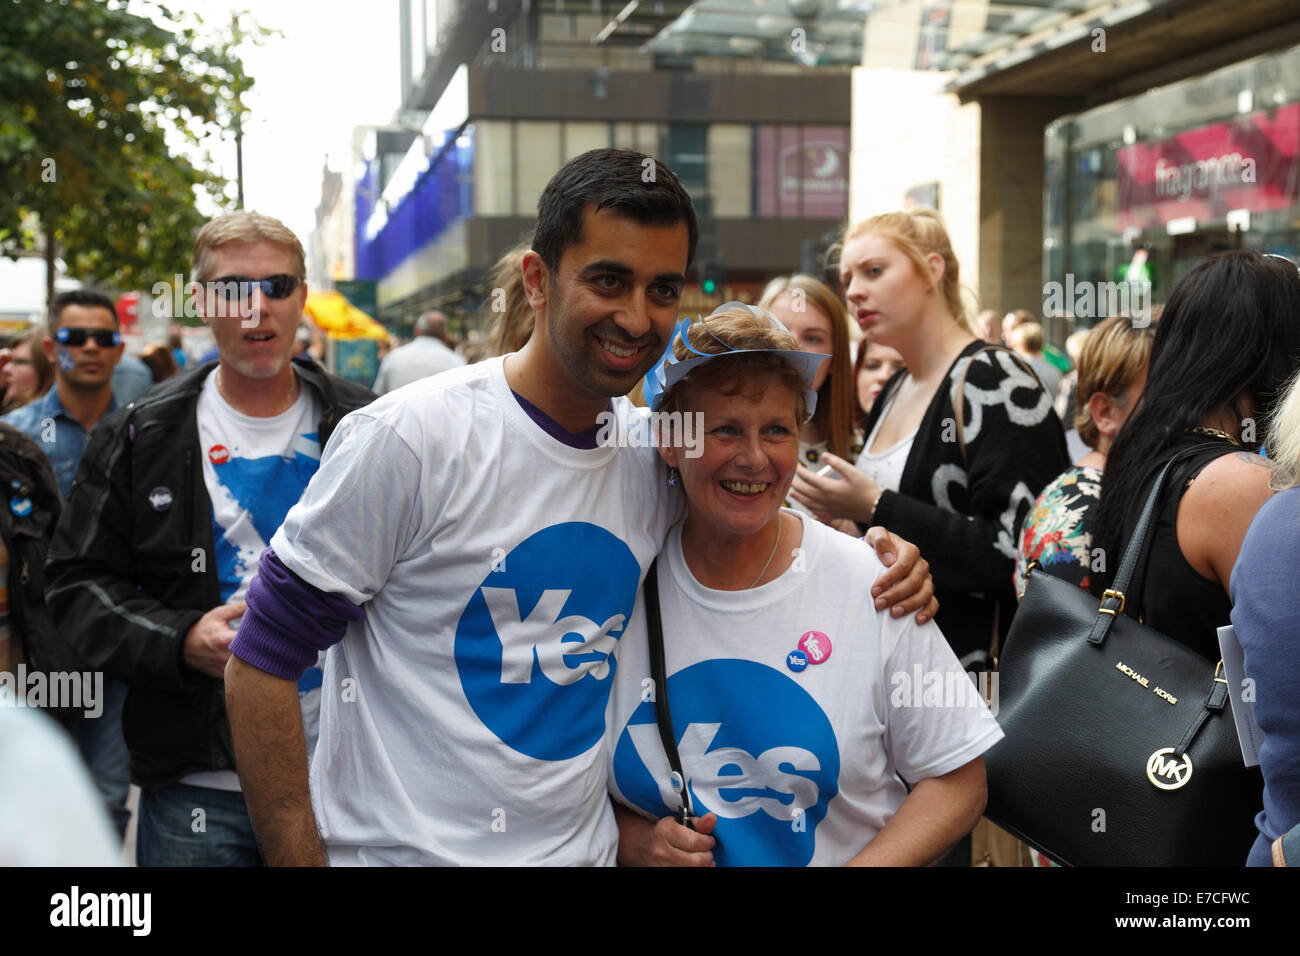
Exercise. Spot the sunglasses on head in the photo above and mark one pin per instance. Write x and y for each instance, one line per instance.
(241, 287)
(104, 338)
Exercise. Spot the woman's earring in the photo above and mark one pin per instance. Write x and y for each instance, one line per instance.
(674, 478)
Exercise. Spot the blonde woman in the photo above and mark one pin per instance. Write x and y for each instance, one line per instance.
(508, 309)
(958, 446)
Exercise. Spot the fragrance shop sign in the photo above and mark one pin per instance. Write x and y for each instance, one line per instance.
(1203, 174)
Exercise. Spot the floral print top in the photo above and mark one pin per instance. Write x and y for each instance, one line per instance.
(1053, 533)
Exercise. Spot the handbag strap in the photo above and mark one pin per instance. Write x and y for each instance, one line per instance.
(659, 675)
(1218, 696)
(1112, 600)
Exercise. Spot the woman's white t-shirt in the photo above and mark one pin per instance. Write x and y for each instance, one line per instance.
(799, 758)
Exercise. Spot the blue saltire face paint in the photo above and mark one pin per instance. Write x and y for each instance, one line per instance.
(66, 362)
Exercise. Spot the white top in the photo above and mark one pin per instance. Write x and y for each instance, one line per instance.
(254, 469)
(462, 721)
(886, 467)
(50, 812)
(801, 766)
(421, 357)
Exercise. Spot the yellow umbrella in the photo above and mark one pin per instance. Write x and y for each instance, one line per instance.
(340, 319)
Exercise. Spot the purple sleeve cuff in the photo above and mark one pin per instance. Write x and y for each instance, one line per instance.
(288, 621)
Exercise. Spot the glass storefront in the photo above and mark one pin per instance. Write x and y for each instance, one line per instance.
(1142, 189)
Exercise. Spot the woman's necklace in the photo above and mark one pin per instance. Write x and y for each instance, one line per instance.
(1213, 433)
(773, 553)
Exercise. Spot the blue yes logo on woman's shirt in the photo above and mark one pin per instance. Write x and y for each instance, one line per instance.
(533, 646)
(756, 749)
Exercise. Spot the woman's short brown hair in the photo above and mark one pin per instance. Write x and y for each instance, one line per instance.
(1113, 355)
(741, 328)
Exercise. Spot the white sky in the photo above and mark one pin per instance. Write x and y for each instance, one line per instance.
(335, 67)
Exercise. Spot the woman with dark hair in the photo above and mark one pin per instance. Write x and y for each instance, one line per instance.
(1228, 342)
(875, 365)
(162, 365)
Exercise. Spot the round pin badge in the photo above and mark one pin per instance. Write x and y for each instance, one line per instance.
(816, 645)
(22, 507)
(160, 499)
(218, 454)
(796, 661)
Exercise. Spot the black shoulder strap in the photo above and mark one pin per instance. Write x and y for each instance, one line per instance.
(659, 674)
(1134, 551)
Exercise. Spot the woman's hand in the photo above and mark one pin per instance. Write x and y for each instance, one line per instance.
(905, 585)
(852, 495)
(665, 843)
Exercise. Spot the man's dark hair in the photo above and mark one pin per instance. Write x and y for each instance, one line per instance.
(619, 179)
(83, 297)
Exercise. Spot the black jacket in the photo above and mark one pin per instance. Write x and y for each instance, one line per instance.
(963, 502)
(132, 568)
(29, 509)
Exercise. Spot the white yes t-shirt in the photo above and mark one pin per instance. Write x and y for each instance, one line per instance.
(255, 470)
(801, 766)
(463, 721)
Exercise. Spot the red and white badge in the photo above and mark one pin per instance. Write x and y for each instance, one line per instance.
(816, 645)
(218, 454)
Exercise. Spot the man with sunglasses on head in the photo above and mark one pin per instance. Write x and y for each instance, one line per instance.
(178, 494)
(84, 345)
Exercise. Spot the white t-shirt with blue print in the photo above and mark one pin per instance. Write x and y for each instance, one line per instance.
(255, 470)
(463, 720)
(800, 759)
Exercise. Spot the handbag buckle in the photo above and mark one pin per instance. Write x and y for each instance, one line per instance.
(1106, 596)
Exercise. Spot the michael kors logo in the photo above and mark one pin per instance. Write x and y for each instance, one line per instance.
(1168, 773)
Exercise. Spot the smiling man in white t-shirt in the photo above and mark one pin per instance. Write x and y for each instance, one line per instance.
(471, 556)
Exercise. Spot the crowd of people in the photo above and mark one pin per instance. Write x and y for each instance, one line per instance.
(463, 619)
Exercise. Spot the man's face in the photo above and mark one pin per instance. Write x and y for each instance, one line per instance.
(611, 304)
(254, 334)
(87, 366)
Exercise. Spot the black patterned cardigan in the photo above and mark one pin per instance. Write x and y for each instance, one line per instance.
(965, 511)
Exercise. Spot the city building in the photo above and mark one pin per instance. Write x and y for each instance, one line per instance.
(1075, 145)
(498, 95)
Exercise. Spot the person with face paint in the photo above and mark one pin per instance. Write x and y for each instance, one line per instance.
(84, 346)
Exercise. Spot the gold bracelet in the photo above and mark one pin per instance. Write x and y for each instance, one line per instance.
(871, 518)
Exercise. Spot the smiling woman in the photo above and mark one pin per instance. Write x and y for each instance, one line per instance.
(769, 632)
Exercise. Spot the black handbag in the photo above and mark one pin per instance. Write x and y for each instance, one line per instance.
(1119, 749)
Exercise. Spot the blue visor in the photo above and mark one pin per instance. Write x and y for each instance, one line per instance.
(670, 370)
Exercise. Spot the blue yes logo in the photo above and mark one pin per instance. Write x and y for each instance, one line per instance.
(533, 646)
(756, 750)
